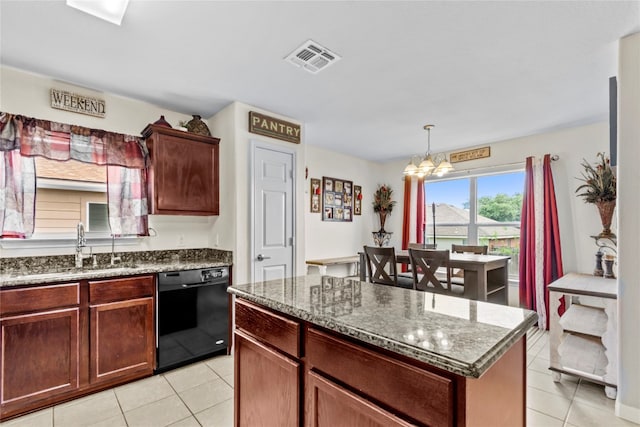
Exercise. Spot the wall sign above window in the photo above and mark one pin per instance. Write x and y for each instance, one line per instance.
(274, 128)
(68, 101)
(477, 153)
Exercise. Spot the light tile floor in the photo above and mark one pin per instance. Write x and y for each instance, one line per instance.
(201, 394)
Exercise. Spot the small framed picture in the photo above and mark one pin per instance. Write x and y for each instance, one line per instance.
(315, 192)
(328, 214)
(338, 186)
(347, 188)
(357, 200)
(328, 184)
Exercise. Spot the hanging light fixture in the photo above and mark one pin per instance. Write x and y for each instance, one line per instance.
(436, 164)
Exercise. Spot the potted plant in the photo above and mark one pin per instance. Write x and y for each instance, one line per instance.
(599, 188)
(383, 204)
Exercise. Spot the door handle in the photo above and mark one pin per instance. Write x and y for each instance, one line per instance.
(261, 258)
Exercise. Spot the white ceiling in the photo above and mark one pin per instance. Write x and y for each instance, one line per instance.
(480, 71)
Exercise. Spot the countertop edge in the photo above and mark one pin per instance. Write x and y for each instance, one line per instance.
(8, 281)
(472, 370)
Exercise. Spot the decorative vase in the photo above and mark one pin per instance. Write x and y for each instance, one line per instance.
(606, 214)
(162, 122)
(598, 271)
(197, 126)
(383, 218)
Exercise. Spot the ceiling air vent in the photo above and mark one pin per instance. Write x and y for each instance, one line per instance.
(312, 57)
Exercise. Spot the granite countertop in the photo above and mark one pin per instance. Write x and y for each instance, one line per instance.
(65, 275)
(54, 269)
(461, 336)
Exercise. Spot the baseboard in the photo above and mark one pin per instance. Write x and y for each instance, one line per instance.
(628, 412)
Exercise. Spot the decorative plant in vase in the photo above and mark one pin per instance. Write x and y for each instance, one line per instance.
(383, 204)
(599, 188)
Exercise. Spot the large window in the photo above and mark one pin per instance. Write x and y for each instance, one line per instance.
(479, 210)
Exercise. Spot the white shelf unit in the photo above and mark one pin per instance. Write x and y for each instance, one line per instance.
(583, 341)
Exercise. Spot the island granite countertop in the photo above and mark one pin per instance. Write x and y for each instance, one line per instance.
(455, 334)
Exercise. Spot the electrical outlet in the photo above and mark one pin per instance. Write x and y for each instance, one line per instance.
(180, 240)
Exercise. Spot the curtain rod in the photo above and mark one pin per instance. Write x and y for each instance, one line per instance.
(554, 157)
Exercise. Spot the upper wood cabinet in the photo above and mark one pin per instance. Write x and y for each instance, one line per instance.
(183, 173)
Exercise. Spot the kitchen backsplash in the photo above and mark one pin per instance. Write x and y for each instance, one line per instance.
(45, 264)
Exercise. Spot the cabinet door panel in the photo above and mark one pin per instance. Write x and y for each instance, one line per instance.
(329, 405)
(186, 177)
(121, 339)
(39, 356)
(266, 385)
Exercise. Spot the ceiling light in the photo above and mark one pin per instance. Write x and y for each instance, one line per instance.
(109, 10)
(436, 164)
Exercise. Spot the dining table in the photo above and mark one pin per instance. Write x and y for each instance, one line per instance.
(486, 277)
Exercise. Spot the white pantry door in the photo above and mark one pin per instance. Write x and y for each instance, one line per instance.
(273, 213)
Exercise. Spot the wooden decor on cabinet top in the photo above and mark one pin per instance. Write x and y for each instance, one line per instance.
(184, 172)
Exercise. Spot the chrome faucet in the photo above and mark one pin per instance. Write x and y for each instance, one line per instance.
(81, 242)
(114, 259)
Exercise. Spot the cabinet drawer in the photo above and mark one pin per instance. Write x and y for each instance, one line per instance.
(39, 298)
(271, 328)
(406, 389)
(103, 291)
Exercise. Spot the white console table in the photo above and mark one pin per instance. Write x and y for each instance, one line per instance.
(583, 341)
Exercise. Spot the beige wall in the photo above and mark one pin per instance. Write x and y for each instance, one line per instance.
(628, 402)
(234, 226)
(28, 94)
(578, 221)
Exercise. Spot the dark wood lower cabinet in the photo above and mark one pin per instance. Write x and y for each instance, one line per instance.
(121, 339)
(121, 328)
(336, 380)
(266, 385)
(328, 405)
(40, 356)
(58, 342)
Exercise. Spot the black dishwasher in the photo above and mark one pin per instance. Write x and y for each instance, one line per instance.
(192, 316)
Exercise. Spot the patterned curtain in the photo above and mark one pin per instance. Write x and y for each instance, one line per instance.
(540, 254)
(59, 141)
(17, 195)
(127, 195)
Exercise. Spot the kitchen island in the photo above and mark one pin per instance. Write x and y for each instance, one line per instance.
(326, 351)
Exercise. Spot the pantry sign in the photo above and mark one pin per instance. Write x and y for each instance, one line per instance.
(274, 128)
(68, 101)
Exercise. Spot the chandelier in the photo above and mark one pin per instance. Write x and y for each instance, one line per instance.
(436, 164)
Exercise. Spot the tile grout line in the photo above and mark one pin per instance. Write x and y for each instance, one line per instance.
(183, 402)
(119, 406)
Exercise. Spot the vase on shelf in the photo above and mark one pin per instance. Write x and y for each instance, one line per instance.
(162, 122)
(598, 271)
(197, 126)
(606, 208)
(383, 219)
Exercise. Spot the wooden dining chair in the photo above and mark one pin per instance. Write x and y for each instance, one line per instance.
(471, 249)
(457, 274)
(422, 246)
(424, 264)
(408, 273)
(382, 267)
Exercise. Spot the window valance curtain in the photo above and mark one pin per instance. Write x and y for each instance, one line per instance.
(61, 141)
(22, 138)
